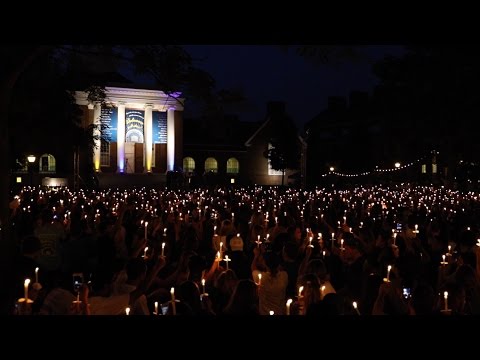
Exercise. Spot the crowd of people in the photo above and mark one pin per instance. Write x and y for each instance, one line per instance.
(398, 250)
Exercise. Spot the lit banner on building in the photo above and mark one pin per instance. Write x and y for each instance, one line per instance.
(159, 124)
(109, 120)
(134, 125)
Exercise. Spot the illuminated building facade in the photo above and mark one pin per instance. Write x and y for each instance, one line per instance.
(144, 129)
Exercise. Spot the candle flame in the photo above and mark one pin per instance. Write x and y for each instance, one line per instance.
(289, 302)
(203, 282)
(271, 312)
(127, 311)
(27, 282)
(163, 245)
(445, 294)
(172, 291)
(354, 304)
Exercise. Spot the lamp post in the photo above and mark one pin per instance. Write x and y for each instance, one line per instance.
(31, 160)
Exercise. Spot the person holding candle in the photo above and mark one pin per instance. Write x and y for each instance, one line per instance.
(272, 293)
(244, 300)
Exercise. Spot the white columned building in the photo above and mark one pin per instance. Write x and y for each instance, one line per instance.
(96, 133)
(142, 125)
(148, 131)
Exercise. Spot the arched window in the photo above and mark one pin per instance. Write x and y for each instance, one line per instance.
(232, 166)
(188, 164)
(47, 163)
(211, 165)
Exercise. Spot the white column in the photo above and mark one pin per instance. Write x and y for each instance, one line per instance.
(96, 133)
(170, 139)
(121, 138)
(147, 134)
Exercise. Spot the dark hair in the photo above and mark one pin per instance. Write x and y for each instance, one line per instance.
(31, 244)
(135, 268)
(272, 260)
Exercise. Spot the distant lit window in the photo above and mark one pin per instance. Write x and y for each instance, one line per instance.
(47, 163)
(424, 169)
(211, 165)
(188, 164)
(232, 166)
(434, 168)
(105, 154)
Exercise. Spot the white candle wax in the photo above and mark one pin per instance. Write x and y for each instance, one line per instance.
(163, 249)
(289, 302)
(36, 274)
(174, 308)
(203, 285)
(445, 296)
(25, 284)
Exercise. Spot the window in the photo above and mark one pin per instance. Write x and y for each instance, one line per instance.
(105, 154)
(424, 169)
(434, 168)
(270, 170)
(188, 164)
(47, 163)
(232, 166)
(211, 165)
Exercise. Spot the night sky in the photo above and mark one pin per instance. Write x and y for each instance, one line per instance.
(266, 72)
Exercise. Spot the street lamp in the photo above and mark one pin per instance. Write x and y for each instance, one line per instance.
(31, 159)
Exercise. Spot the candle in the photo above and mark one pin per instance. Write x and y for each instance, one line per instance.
(227, 259)
(361, 224)
(310, 242)
(323, 253)
(172, 293)
(127, 311)
(322, 289)
(387, 279)
(25, 284)
(146, 225)
(218, 256)
(450, 249)
(203, 286)
(445, 296)
(259, 279)
(443, 258)
(394, 238)
(163, 249)
(271, 312)
(341, 244)
(145, 252)
(356, 307)
(36, 274)
(289, 302)
(300, 290)
(221, 245)
(156, 307)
